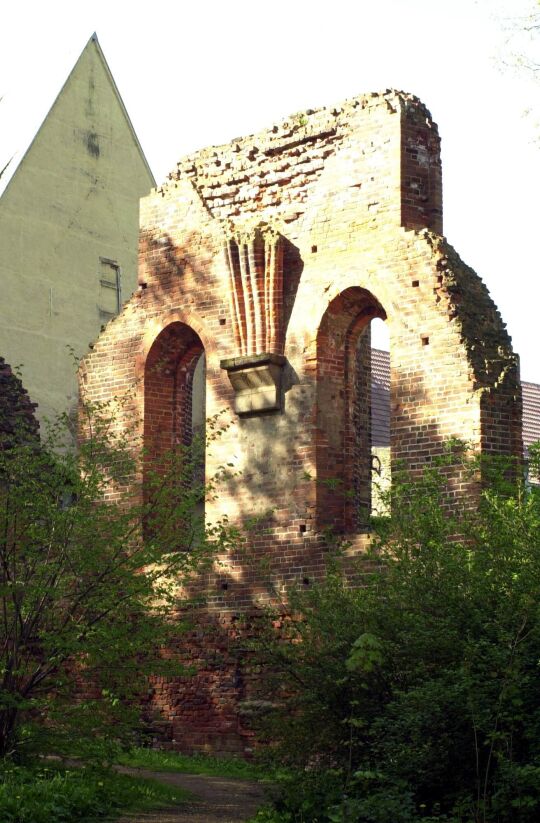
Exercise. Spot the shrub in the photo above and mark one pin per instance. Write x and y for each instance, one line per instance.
(86, 604)
(416, 695)
(45, 794)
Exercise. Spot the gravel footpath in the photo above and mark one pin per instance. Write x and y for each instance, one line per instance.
(216, 800)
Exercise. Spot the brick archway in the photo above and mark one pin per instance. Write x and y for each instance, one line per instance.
(343, 431)
(168, 391)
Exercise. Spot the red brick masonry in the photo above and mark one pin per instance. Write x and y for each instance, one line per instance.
(272, 254)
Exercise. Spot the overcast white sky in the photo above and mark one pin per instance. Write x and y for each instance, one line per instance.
(194, 74)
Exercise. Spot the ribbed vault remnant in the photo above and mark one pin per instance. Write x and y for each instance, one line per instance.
(254, 260)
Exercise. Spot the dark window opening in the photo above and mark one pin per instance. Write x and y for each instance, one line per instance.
(110, 288)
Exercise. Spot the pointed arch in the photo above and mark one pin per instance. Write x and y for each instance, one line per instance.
(343, 412)
(174, 366)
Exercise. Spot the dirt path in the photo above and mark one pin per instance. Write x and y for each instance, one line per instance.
(217, 799)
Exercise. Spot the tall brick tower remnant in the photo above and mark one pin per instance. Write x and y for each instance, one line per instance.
(272, 255)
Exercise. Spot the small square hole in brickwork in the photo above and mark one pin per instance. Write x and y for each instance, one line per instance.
(144, 285)
(306, 581)
(313, 249)
(224, 585)
(415, 283)
(222, 321)
(303, 528)
(425, 340)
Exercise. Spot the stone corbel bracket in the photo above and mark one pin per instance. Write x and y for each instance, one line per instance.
(257, 380)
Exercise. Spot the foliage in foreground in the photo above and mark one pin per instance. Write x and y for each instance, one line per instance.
(42, 794)
(416, 696)
(86, 604)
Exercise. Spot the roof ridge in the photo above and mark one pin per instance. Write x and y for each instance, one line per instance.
(12, 168)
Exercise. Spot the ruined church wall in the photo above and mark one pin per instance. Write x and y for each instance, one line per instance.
(337, 188)
(287, 243)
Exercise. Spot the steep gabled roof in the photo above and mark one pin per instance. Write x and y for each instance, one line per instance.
(11, 157)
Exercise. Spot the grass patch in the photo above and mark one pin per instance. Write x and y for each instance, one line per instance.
(42, 794)
(157, 760)
(270, 815)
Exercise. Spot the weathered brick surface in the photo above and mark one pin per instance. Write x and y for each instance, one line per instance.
(288, 243)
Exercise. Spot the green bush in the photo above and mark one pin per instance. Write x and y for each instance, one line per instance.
(85, 601)
(45, 794)
(416, 695)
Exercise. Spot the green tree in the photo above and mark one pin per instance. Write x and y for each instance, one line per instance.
(416, 694)
(86, 605)
(523, 32)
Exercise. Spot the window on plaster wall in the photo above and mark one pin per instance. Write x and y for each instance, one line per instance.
(110, 288)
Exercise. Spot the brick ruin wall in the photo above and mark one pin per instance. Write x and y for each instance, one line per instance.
(18, 422)
(272, 255)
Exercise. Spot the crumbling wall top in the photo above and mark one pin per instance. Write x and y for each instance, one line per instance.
(277, 167)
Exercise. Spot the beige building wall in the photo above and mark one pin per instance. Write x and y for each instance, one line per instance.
(69, 223)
